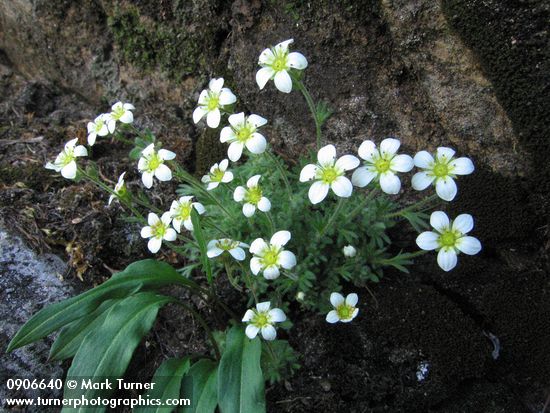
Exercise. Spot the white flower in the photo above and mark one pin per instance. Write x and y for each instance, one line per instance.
(349, 251)
(449, 238)
(65, 161)
(180, 212)
(97, 128)
(120, 189)
(382, 164)
(253, 197)
(276, 62)
(158, 230)
(440, 171)
(121, 112)
(152, 164)
(329, 173)
(345, 310)
(218, 174)
(217, 247)
(241, 133)
(269, 258)
(211, 101)
(262, 319)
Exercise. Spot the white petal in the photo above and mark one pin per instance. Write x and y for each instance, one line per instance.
(227, 97)
(326, 155)
(355, 312)
(283, 46)
(390, 183)
(111, 199)
(166, 218)
(255, 265)
(188, 224)
(463, 223)
(462, 166)
(52, 166)
(427, 240)
(352, 299)
(266, 56)
(283, 82)
(198, 114)
(239, 194)
(424, 159)
(71, 144)
(152, 219)
(128, 106)
(235, 151)
(445, 153)
(367, 150)
(271, 272)
(170, 235)
(269, 333)
(176, 223)
(256, 120)
(147, 179)
(439, 220)
(402, 163)
(214, 252)
(149, 150)
(277, 315)
(332, 317)
(127, 117)
(69, 170)
(212, 185)
(421, 180)
(297, 61)
(166, 154)
(389, 146)
(251, 331)
(257, 246)
(263, 75)
(213, 118)
(337, 299)
(256, 144)
(227, 134)
(202, 97)
(362, 177)
(308, 172)
(248, 316)
(264, 204)
(248, 210)
(223, 165)
(163, 173)
(347, 162)
(263, 307)
(253, 181)
(446, 188)
(318, 191)
(468, 245)
(236, 120)
(280, 238)
(146, 232)
(446, 258)
(80, 151)
(238, 253)
(154, 245)
(342, 187)
(199, 208)
(215, 85)
(287, 260)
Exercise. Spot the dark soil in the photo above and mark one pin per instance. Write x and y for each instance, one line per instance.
(449, 322)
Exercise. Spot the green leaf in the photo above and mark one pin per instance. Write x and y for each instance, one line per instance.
(197, 231)
(240, 379)
(106, 352)
(71, 336)
(200, 385)
(167, 384)
(140, 275)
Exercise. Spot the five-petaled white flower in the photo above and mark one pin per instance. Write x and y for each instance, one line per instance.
(329, 173)
(252, 196)
(276, 63)
(241, 133)
(345, 310)
(269, 258)
(158, 230)
(211, 100)
(97, 128)
(382, 164)
(152, 164)
(449, 238)
(120, 189)
(262, 320)
(349, 251)
(121, 112)
(440, 171)
(218, 174)
(65, 162)
(217, 247)
(180, 211)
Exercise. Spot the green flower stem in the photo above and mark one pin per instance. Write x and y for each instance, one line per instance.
(271, 224)
(418, 253)
(118, 136)
(137, 132)
(333, 216)
(230, 277)
(282, 172)
(201, 321)
(309, 100)
(363, 204)
(249, 281)
(412, 207)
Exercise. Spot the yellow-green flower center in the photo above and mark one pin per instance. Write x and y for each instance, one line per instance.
(217, 175)
(261, 320)
(227, 244)
(99, 125)
(345, 311)
(253, 195)
(280, 62)
(154, 162)
(328, 175)
(382, 165)
(271, 257)
(448, 238)
(67, 157)
(213, 102)
(244, 133)
(158, 229)
(441, 170)
(183, 211)
(118, 112)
